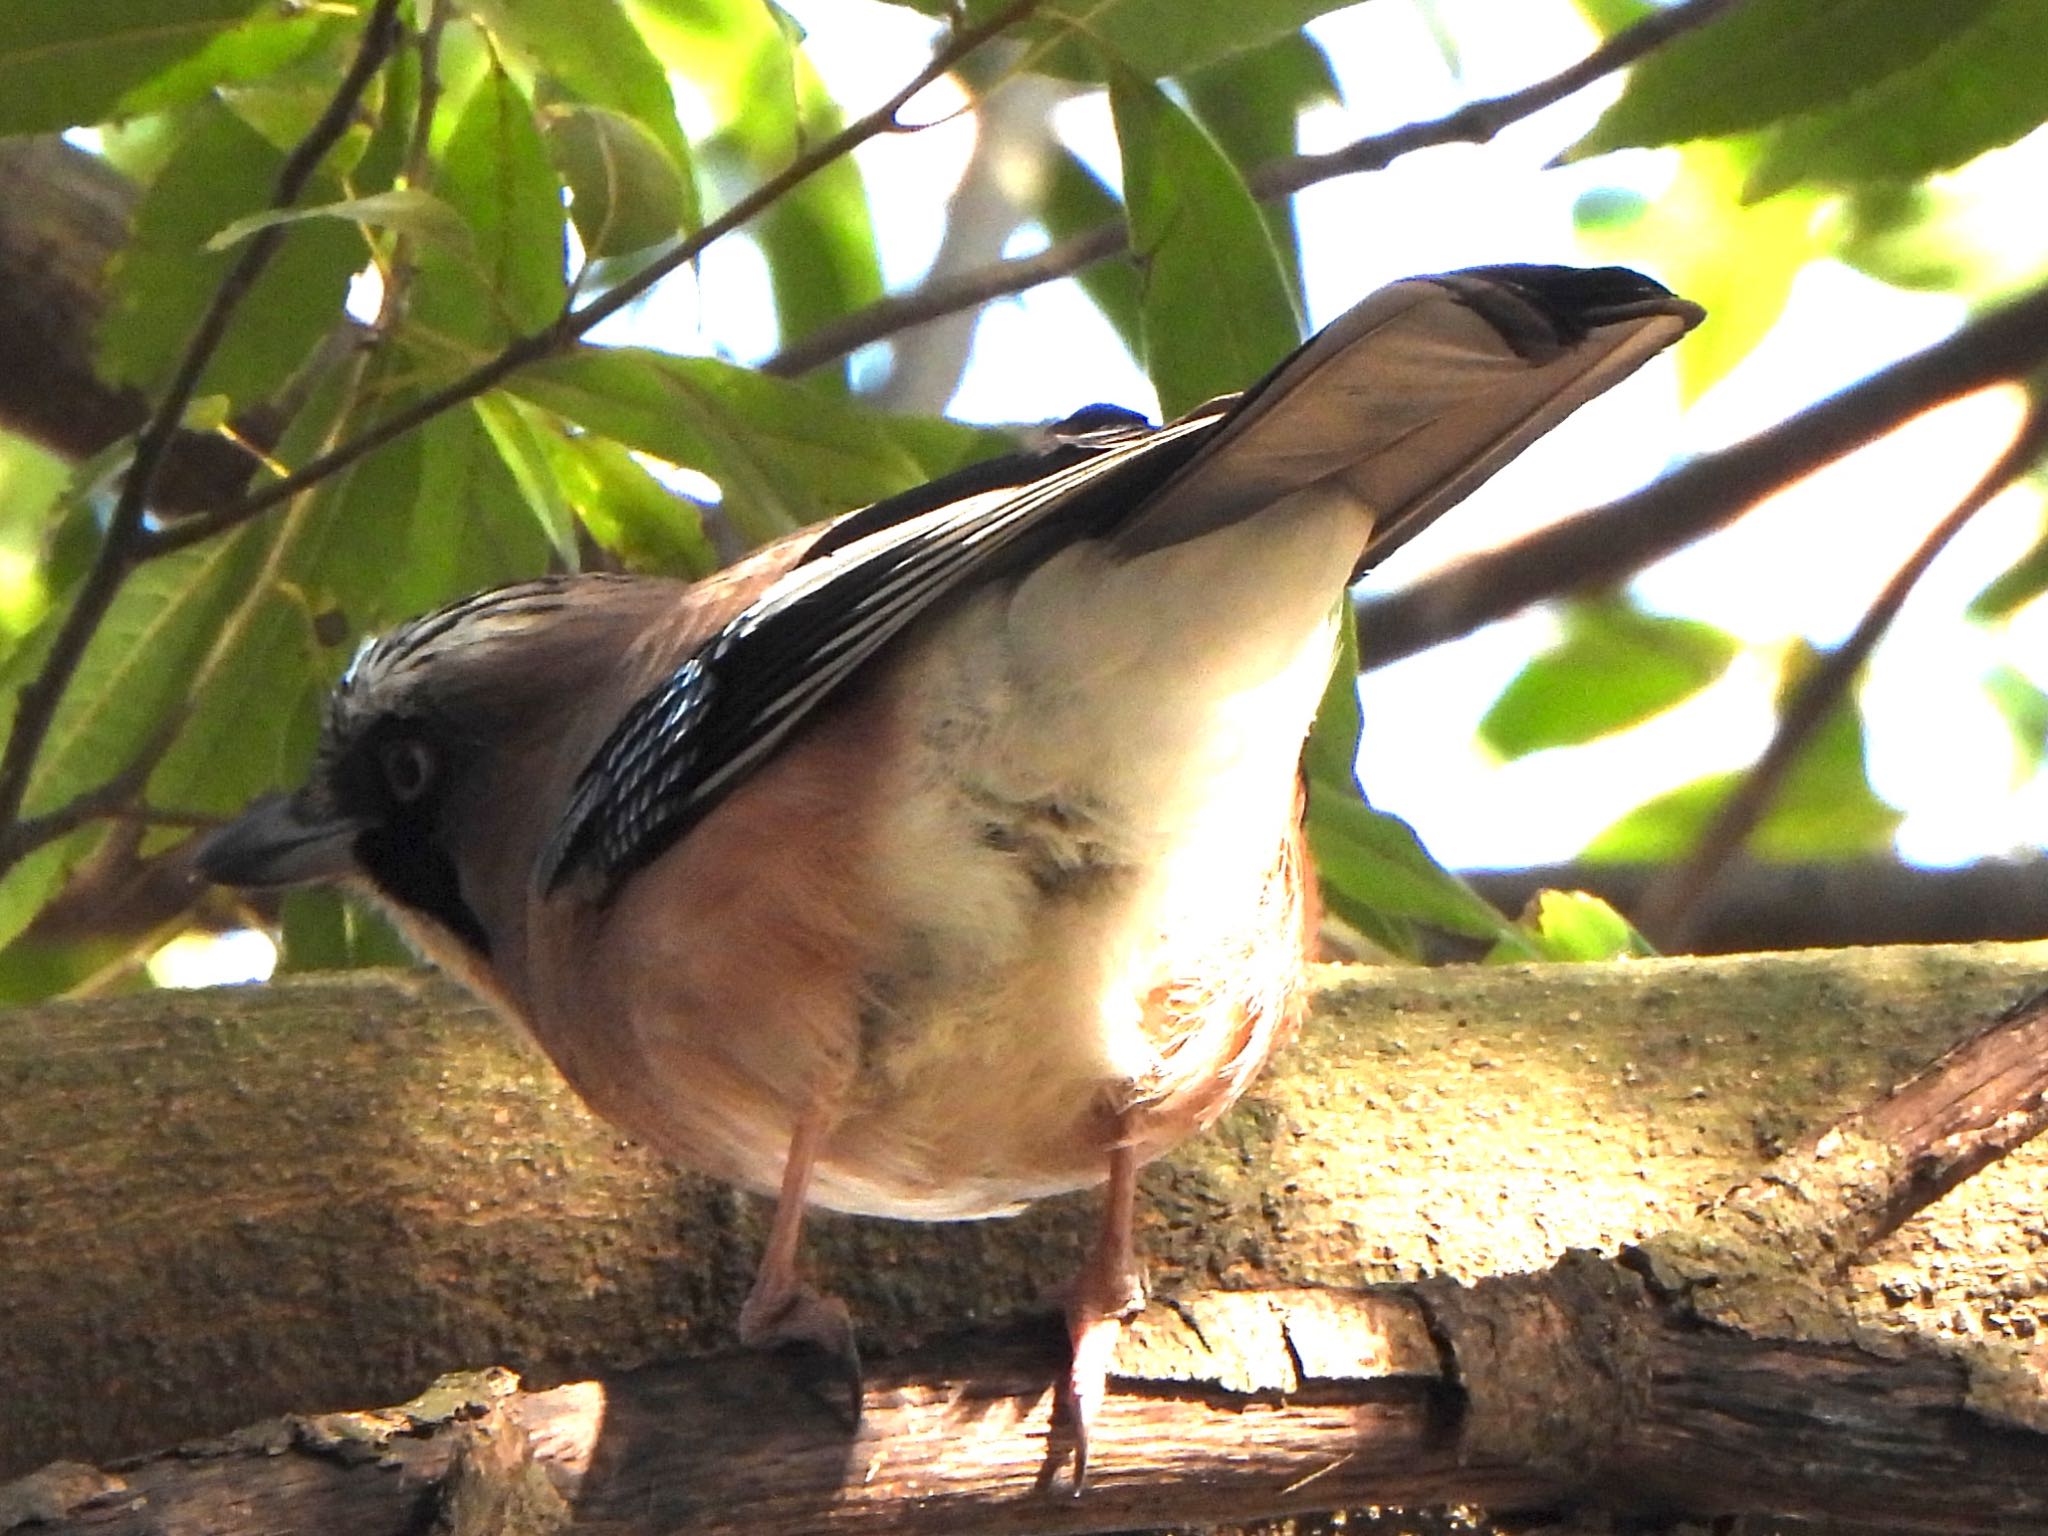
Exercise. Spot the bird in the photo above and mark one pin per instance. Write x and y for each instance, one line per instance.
(947, 855)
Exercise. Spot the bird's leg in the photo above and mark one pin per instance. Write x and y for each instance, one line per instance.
(1108, 1290)
(781, 1309)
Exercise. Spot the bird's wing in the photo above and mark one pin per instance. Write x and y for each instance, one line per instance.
(686, 742)
(1409, 401)
(1404, 404)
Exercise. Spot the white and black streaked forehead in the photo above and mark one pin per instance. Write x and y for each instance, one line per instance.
(394, 673)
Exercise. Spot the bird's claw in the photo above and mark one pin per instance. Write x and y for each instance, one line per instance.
(1095, 1321)
(801, 1319)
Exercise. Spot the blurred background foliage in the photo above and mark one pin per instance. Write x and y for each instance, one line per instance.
(507, 164)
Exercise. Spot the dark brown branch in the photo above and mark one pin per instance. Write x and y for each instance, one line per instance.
(1479, 122)
(1602, 546)
(1758, 905)
(127, 540)
(65, 215)
(1669, 910)
(1581, 1385)
(1476, 122)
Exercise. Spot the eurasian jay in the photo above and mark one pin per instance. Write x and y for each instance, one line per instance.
(947, 855)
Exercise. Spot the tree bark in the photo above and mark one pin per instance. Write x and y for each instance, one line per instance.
(1536, 1395)
(229, 1204)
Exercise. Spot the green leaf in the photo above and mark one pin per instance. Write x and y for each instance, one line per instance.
(525, 439)
(1769, 60)
(64, 64)
(1824, 809)
(404, 210)
(1739, 262)
(2024, 708)
(267, 43)
(321, 930)
(36, 878)
(1961, 99)
(626, 192)
(2016, 586)
(1329, 758)
(139, 669)
(1217, 311)
(1374, 864)
(361, 558)
(1074, 202)
(770, 106)
(250, 701)
(940, 444)
(819, 244)
(784, 454)
(1578, 926)
(630, 513)
(1612, 16)
(1252, 104)
(590, 52)
(1615, 666)
(1908, 236)
(251, 706)
(165, 278)
(496, 174)
(1154, 38)
(474, 528)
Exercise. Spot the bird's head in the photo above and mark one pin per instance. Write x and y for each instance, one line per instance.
(437, 749)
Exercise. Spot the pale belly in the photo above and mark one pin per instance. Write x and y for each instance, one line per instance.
(1091, 862)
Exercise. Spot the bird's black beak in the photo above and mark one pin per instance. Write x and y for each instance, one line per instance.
(280, 841)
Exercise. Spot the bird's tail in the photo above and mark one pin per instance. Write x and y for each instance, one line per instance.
(1415, 397)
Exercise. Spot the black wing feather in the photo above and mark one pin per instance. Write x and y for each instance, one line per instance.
(683, 745)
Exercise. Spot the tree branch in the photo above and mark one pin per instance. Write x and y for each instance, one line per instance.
(1589, 1384)
(127, 541)
(1523, 1395)
(64, 217)
(389, 1183)
(1669, 913)
(1604, 545)
(1759, 905)
(1476, 122)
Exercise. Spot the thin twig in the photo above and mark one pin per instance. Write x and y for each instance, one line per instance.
(573, 324)
(1599, 547)
(1672, 905)
(1983, 1099)
(1476, 122)
(127, 540)
(111, 798)
(416, 171)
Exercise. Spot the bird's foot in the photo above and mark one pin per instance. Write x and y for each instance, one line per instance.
(795, 1317)
(1103, 1301)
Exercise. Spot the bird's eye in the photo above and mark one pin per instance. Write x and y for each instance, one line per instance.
(408, 765)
